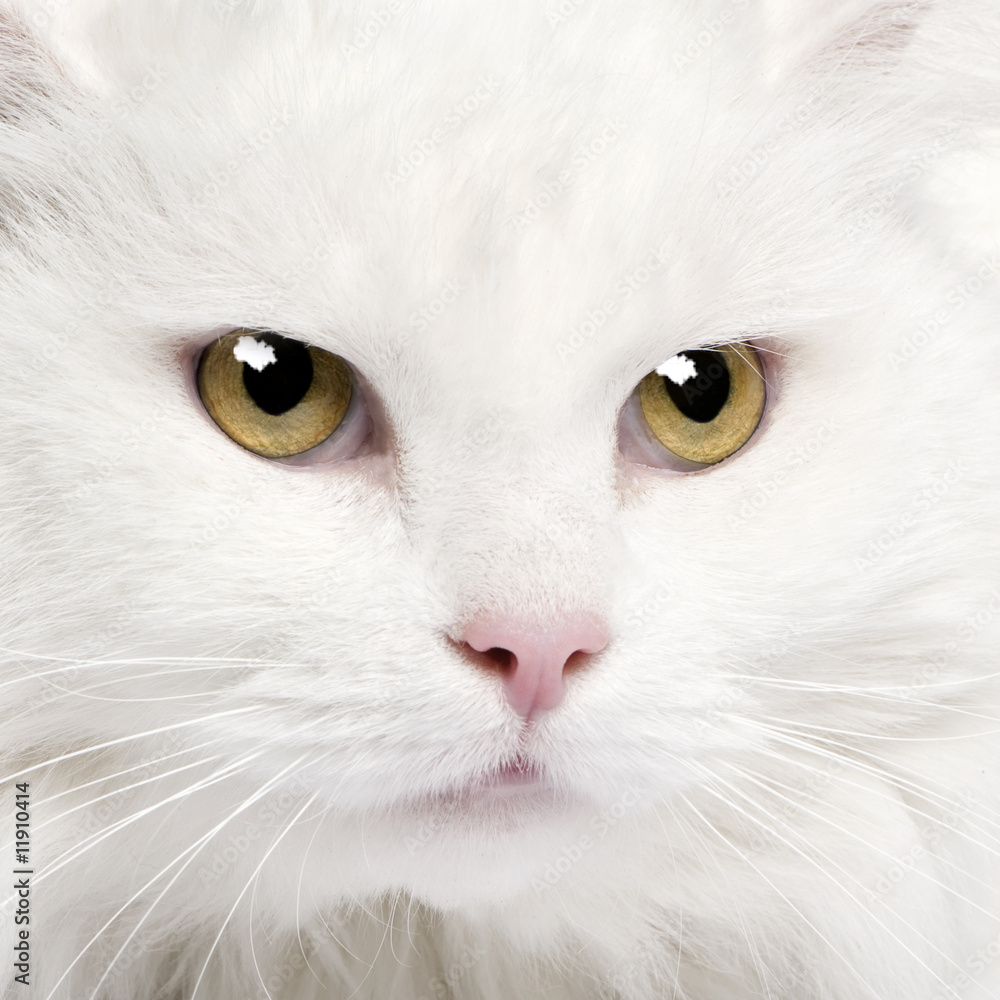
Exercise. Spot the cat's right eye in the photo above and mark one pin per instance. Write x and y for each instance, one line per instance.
(696, 409)
(273, 395)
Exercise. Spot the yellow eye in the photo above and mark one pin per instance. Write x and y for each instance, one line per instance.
(704, 405)
(273, 395)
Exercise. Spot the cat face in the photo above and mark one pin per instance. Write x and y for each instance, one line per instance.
(485, 613)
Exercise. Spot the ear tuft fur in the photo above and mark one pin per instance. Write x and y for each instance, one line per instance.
(26, 71)
(883, 32)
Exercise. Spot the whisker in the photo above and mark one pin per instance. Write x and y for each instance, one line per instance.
(211, 951)
(886, 771)
(822, 937)
(867, 769)
(849, 833)
(826, 872)
(228, 713)
(58, 817)
(193, 850)
(793, 725)
(826, 688)
(89, 843)
(298, 898)
(128, 770)
(745, 925)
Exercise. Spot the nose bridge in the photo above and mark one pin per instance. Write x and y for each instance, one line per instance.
(518, 525)
(529, 582)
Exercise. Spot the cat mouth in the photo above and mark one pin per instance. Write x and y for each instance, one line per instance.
(513, 777)
(517, 772)
(512, 783)
(516, 780)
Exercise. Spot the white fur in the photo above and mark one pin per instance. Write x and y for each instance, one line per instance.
(230, 683)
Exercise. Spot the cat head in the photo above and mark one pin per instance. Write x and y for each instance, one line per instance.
(493, 599)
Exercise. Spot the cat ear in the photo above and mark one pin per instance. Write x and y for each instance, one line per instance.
(880, 34)
(856, 32)
(24, 69)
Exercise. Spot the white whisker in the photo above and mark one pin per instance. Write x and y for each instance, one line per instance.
(191, 850)
(225, 923)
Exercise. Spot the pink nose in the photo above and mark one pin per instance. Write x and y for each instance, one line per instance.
(533, 659)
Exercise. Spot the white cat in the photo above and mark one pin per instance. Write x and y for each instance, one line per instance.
(500, 500)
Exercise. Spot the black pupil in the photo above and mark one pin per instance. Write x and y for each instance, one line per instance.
(703, 395)
(280, 385)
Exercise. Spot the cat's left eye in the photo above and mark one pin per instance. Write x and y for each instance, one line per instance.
(696, 409)
(274, 396)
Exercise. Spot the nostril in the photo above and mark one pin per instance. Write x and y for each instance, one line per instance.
(503, 658)
(494, 658)
(577, 661)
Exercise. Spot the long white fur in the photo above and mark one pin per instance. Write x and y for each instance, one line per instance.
(230, 683)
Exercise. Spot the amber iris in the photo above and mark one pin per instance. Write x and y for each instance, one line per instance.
(704, 405)
(275, 396)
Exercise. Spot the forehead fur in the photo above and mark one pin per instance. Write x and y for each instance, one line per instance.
(498, 161)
